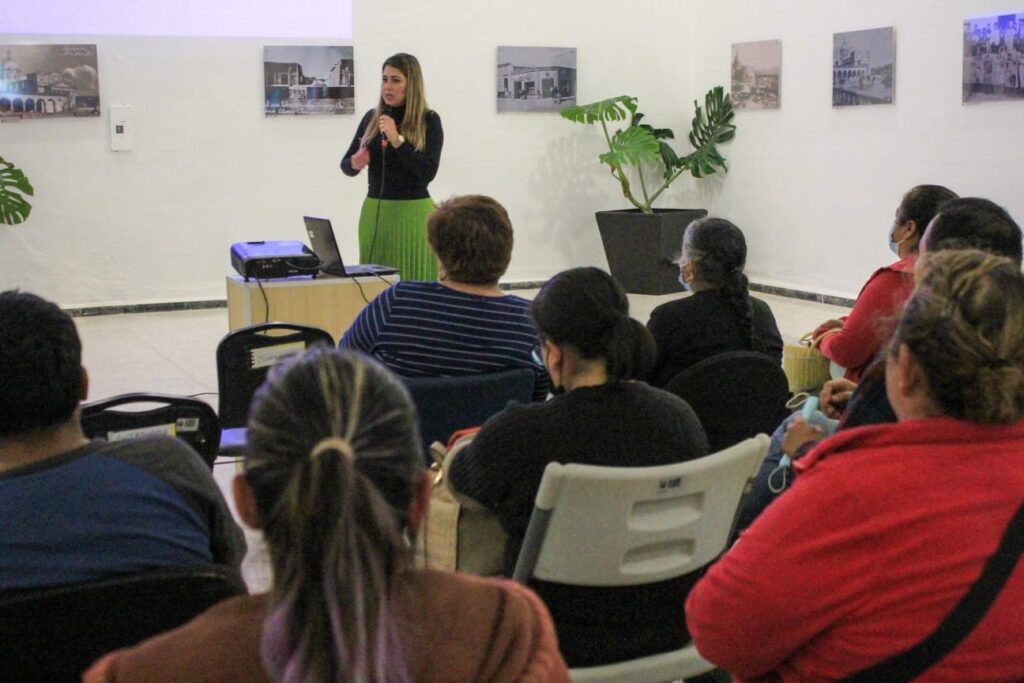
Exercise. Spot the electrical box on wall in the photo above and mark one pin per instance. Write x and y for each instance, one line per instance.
(122, 129)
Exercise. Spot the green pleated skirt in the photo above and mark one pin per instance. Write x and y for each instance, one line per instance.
(399, 237)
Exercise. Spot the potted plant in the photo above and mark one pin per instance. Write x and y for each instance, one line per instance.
(13, 188)
(641, 242)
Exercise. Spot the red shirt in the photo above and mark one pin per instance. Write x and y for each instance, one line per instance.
(872, 319)
(876, 542)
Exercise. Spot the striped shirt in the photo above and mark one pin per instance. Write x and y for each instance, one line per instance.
(424, 329)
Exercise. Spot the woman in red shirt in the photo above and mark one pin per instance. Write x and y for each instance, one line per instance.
(888, 526)
(853, 341)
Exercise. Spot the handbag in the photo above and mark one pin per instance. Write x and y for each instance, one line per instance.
(458, 534)
(958, 624)
(805, 367)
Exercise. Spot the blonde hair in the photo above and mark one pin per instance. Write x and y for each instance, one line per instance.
(964, 324)
(414, 125)
(333, 461)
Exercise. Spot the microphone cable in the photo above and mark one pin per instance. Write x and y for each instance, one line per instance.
(380, 194)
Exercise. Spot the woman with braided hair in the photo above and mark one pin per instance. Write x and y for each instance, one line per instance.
(721, 315)
(334, 479)
(889, 526)
(593, 351)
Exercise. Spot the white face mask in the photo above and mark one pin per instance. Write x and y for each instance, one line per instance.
(684, 283)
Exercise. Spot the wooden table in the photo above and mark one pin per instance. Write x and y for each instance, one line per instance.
(328, 302)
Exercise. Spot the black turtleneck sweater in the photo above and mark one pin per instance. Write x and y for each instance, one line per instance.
(406, 172)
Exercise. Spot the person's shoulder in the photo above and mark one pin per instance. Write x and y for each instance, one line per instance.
(226, 636)
(495, 607)
(151, 449)
(431, 115)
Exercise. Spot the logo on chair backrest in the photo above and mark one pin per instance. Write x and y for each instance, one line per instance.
(669, 484)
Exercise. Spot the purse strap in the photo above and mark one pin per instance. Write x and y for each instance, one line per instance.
(959, 623)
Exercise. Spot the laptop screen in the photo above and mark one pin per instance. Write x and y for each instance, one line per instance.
(321, 239)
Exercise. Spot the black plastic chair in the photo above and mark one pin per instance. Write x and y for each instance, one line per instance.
(448, 404)
(191, 420)
(243, 359)
(736, 395)
(54, 634)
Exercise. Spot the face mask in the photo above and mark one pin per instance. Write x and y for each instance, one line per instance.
(894, 246)
(684, 283)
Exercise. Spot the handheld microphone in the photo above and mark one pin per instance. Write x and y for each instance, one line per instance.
(386, 110)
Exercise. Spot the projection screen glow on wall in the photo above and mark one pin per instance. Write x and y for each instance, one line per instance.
(230, 18)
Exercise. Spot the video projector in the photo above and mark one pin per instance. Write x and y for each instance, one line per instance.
(273, 259)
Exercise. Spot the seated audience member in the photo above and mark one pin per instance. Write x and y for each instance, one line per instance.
(333, 478)
(721, 315)
(72, 510)
(965, 222)
(600, 416)
(855, 340)
(914, 510)
(463, 324)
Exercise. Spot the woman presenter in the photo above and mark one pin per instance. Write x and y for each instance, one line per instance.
(400, 140)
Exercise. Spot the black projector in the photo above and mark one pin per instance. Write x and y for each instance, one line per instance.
(273, 259)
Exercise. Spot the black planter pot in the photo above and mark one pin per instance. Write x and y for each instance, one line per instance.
(641, 247)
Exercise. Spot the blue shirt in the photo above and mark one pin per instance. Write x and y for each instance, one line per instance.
(424, 329)
(85, 515)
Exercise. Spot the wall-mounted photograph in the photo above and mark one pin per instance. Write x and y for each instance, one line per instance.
(536, 78)
(308, 79)
(48, 81)
(756, 74)
(994, 58)
(863, 67)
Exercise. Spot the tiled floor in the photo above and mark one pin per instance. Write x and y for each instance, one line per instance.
(173, 353)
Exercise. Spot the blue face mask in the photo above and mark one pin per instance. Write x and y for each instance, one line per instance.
(684, 283)
(894, 246)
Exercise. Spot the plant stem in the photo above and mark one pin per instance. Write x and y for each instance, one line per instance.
(619, 174)
(646, 208)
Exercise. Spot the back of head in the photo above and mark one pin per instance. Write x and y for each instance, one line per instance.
(40, 365)
(921, 203)
(718, 250)
(964, 324)
(472, 236)
(334, 458)
(588, 310)
(974, 223)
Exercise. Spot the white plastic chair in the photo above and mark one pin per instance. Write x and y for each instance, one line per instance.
(654, 524)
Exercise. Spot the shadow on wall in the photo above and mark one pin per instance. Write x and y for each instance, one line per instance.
(568, 186)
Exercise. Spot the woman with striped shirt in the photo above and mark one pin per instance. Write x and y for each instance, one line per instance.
(463, 323)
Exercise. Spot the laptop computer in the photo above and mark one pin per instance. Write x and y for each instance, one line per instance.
(321, 239)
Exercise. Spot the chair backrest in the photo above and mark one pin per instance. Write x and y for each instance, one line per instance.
(448, 404)
(736, 395)
(53, 634)
(191, 420)
(626, 526)
(246, 355)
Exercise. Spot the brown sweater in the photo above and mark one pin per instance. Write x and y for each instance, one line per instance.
(464, 628)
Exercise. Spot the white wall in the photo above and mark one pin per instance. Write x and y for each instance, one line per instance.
(813, 188)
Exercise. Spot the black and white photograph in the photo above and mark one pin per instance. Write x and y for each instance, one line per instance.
(863, 67)
(536, 78)
(48, 81)
(994, 58)
(756, 74)
(308, 79)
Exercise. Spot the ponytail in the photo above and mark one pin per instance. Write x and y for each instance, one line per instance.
(629, 349)
(334, 533)
(738, 292)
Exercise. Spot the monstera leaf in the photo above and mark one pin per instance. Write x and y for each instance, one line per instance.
(13, 188)
(712, 126)
(615, 109)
